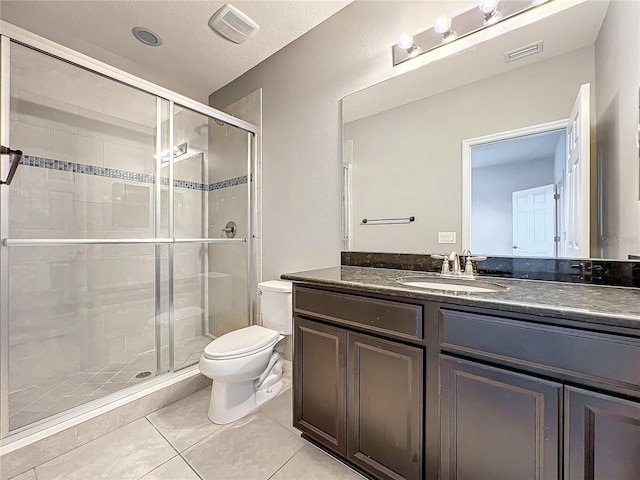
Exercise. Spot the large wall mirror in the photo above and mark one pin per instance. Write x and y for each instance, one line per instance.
(536, 156)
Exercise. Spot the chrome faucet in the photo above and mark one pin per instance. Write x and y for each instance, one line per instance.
(455, 263)
(447, 268)
(451, 263)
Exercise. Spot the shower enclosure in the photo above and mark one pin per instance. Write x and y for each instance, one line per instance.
(118, 261)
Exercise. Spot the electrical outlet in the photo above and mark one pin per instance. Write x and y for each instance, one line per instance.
(446, 237)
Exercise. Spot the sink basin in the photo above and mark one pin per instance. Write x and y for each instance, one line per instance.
(451, 284)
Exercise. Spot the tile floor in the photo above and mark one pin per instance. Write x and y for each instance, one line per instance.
(37, 402)
(178, 442)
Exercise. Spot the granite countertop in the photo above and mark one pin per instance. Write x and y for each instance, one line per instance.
(617, 306)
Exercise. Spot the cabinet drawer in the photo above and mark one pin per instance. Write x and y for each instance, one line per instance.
(401, 319)
(601, 357)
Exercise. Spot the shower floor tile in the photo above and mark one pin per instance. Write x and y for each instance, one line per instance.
(38, 402)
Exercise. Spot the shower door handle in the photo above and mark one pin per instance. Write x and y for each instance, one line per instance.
(16, 157)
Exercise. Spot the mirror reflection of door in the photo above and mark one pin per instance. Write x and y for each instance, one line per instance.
(513, 210)
(575, 233)
(526, 190)
(534, 222)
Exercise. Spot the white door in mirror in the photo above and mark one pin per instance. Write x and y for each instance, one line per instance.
(575, 228)
(533, 212)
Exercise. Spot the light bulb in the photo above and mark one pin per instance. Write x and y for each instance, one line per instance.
(405, 41)
(488, 6)
(490, 10)
(443, 24)
(414, 51)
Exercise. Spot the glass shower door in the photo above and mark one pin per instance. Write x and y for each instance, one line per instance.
(125, 235)
(211, 211)
(83, 282)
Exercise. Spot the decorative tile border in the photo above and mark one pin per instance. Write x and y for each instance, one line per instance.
(47, 163)
(41, 162)
(228, 183)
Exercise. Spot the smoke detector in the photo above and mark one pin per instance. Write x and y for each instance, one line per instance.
(232, 24)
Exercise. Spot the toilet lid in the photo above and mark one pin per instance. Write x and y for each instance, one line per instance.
(238, 342)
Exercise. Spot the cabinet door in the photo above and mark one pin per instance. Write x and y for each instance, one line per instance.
(319, 403)
(603, 437)
(385, 404)
(497, 424)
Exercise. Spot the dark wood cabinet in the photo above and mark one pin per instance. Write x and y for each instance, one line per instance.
(384, 431)
(402, 389)
(497, 424)
(319, 372)
(360, 396)
(602, 436)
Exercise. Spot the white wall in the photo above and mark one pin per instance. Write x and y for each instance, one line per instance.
(618, 80)
(303, 84)
(491, 210)
(302, 87)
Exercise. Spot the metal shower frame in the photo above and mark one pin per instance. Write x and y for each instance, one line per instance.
(8, 34)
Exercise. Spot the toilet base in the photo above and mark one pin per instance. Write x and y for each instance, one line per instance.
(232, 401)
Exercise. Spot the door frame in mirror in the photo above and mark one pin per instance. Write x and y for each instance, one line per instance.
(467, 145)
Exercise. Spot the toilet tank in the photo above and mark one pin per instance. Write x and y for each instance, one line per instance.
(275, 305)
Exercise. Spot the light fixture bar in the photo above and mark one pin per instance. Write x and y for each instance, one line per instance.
(464, 24)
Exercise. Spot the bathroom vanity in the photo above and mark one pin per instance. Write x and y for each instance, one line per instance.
(539, 381)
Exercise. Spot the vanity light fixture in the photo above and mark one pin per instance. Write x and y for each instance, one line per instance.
(467, 23)
(489, 8)
(443, 27)
(405, 42)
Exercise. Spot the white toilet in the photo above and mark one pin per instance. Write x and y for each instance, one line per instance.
(246, 364)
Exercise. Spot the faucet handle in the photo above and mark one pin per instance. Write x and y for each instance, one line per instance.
(445, 262)
(468, 265)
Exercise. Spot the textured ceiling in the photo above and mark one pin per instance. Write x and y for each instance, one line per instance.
(193, 60)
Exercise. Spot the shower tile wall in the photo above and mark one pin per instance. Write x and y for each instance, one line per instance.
(228, 267)
(191, 259)
(82, 318)
(77, 309)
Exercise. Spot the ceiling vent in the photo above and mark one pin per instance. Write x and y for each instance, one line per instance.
(525, 51)
(232, 24)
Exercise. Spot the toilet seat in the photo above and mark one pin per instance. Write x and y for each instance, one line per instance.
(241, 343)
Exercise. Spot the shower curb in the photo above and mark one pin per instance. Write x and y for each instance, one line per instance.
(33, 450)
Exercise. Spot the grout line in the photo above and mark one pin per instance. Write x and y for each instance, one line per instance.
(288, 460)
(151, 471)
(156, 429)
(191, 466)
(63, 453)
(89, 371)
